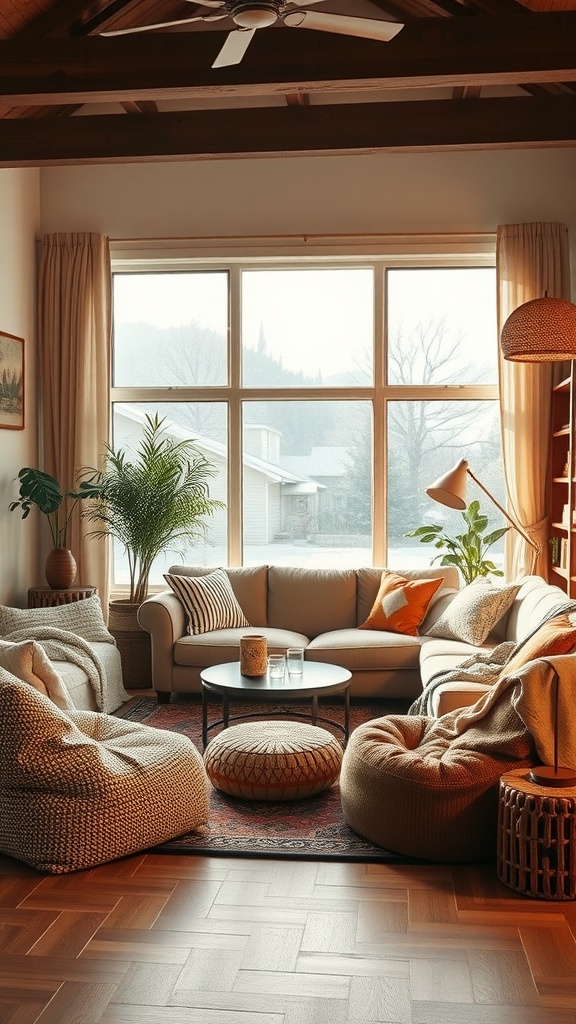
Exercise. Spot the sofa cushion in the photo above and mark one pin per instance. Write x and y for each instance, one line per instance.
(473, 612)
(222, 645)
(401, 604)
(311, 601)
(445, 655)
(370, 577)
(209, 601)
(249, 583)
(365, 651)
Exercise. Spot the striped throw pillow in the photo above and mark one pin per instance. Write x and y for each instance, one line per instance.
(209, 601)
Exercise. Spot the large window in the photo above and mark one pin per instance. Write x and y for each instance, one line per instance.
(327, 395)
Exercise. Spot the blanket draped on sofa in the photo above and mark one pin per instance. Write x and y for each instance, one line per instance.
(485, 667)
(515, 715)
(62, 645)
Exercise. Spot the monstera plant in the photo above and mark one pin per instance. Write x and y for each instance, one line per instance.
(467, 550)
(43, 491)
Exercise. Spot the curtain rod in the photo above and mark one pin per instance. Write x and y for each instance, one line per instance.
(311, 237)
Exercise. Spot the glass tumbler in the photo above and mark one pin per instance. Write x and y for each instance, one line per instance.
(295, 661)
(276, 666)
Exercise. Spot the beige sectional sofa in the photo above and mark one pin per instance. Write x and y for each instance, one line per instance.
(320, 610)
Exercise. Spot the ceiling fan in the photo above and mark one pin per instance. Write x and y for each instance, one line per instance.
(251, 15)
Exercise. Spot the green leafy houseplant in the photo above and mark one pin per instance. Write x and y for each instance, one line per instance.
(152, 500)
(467, 551)
(41, 489)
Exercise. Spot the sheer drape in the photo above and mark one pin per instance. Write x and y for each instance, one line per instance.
(74, 330)
(531, 259)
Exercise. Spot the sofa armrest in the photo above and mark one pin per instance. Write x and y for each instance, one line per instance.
(163, 616)
(455, 696)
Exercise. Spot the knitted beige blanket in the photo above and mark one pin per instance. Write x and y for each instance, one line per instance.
(62, 645)
(515, 718)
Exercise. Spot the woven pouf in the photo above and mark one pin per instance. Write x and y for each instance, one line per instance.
(273, 760)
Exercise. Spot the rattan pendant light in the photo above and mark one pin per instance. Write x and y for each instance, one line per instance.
(540, 331)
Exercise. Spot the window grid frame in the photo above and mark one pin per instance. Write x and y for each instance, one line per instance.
(234, 394)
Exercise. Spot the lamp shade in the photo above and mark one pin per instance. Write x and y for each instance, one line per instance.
(540, 331)
(450, 489)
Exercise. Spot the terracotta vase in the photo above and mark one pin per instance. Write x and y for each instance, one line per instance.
(60, 569)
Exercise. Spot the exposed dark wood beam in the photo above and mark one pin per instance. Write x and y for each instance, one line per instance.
(510, 122)
(298, 99)
(467, 92)
(428, 52)
(139, 107)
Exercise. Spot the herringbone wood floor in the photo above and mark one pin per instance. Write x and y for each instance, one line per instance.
(166, 939)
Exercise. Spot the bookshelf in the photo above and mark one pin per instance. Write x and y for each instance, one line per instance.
(562, 539)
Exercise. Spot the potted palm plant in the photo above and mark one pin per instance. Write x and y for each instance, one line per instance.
(151, 500)
(42, 490)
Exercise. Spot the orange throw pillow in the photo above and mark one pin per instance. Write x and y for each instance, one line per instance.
(401, 604)
(557, 636)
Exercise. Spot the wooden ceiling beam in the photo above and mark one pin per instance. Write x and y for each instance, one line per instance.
(427, 52)
(434, 125)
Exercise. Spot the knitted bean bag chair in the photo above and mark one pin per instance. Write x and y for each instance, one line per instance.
(80, 788)
(428, 787)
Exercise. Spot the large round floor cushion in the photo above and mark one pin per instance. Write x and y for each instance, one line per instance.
(273, 760)
(80, 788)
(407, 789)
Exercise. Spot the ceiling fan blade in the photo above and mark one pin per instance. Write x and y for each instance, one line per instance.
(208, 3)
(306, 3)
(363, 28)
(162, 24)
(237, 42)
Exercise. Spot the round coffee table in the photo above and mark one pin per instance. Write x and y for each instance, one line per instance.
(317, 680)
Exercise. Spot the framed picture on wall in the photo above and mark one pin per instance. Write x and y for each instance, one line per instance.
(11, 382)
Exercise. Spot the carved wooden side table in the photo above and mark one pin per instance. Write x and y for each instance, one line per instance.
(45, 597)
(537, 838)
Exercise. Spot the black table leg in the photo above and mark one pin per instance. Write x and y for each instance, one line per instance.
(204, 718)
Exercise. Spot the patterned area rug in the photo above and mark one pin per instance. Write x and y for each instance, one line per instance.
(307, 829)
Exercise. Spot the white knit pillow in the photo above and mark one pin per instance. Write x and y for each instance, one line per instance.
(29, 662)
(474, 612)
(209, 601)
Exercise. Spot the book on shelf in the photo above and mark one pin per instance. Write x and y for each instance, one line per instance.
(564, 553)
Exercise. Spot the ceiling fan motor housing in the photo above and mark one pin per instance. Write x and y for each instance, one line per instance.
(261, 14)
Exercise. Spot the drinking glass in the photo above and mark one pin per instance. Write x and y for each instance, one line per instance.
(276, 666)
(295, 661)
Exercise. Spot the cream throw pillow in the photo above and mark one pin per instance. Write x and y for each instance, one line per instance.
(29, 662)
(474, 612)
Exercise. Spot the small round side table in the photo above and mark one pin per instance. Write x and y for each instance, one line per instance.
(45, 597)
(536, 852)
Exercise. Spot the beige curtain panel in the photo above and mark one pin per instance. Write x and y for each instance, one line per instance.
(531, 259)
(74, 340)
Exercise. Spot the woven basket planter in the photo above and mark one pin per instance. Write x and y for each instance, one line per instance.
(133, 642)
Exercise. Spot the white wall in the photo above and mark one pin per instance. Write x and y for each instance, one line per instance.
(401, 192)
(19, 220)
